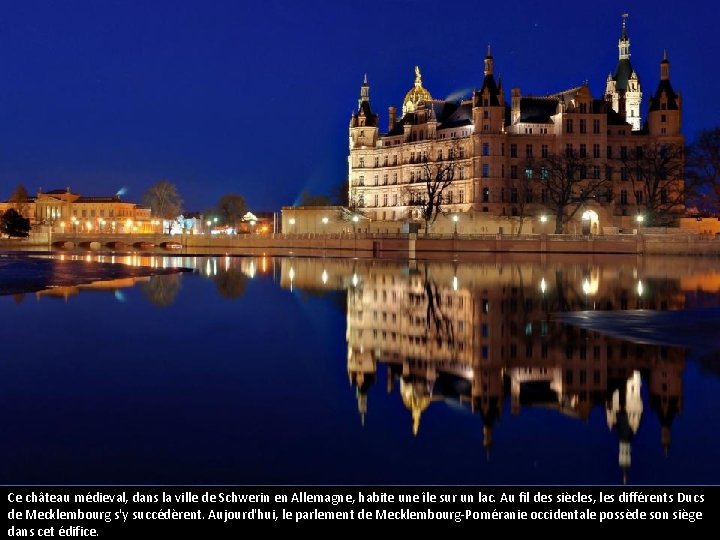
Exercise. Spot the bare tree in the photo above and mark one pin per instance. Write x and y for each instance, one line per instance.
(434, 178)
(164, 201)
(703, 171)
(521, 198)
(20, 199)
(568, 181)
(656, 174)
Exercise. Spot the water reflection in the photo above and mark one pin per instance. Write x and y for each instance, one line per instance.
(482, 338)
(478, 334)
(162, 291)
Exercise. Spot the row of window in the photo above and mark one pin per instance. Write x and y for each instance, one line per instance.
(415, 176)
(422, 157)
(583, 125)
(511, 195)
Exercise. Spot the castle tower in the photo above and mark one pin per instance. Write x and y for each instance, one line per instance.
(489, 101)
(622, 90)
(664, 113)
(363, 138)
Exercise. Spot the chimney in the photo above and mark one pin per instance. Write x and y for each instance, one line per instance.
(392, 113)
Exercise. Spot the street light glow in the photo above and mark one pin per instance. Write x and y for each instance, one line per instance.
(543, 218)
(325, 220)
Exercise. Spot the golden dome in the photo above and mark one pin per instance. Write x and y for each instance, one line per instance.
(416, 95)
(416, 399)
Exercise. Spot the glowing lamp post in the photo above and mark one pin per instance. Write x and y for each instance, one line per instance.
(455, 222)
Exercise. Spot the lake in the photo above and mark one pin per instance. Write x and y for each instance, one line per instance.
(275, 371)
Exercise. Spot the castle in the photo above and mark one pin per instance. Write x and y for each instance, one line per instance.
(500, 156)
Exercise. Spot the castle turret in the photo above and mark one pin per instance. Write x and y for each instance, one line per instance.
(489, 102)
(664, 113)
(622, 90)
(364, 122)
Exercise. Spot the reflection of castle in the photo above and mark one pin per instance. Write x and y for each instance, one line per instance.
(476, 334)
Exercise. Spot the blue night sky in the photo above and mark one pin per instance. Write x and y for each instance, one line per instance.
(255, 97)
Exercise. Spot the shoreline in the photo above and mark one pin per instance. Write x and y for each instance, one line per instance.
(408, 246)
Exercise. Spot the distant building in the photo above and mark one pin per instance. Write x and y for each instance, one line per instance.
(492, 141)
(67, 211)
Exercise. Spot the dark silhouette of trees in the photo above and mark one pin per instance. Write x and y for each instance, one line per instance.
(656, 174)
(521, 198)
(231, 283)
(161, 290)
(13, 224)
(435, 177)
(307, 199)
(703, 171)
(231, 208)
(20, 199)
(568, 181)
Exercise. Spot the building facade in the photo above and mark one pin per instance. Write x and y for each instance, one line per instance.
(494, 147)
(66, 211)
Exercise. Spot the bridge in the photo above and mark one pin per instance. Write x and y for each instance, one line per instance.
(112, 241)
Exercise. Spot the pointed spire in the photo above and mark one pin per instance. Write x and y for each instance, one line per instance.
(418, 77)
(623, 34)
(488, 62)
(624, 41)
(665, 67)
(364, 92)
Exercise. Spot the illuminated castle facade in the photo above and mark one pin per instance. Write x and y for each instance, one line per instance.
(491, 140)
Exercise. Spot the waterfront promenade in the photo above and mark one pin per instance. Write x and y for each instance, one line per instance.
(383, 245)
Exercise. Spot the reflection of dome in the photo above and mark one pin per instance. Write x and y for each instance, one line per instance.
(416, 95)
(416, 398)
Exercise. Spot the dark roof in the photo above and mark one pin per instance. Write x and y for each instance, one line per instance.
(614, 118)
(664, 88)
(371, 117)
(622, 74)
(537, 110)
(492, 88)
(448, 114)
(598, 105)
(57, 192)
(461, 116)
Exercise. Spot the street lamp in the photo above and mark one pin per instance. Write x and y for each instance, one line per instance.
(639, 218)
(543, 218)
(291, 221)
(355, 220)
(208, 223)
(455, 221)
(252, 225)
